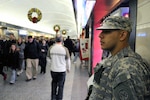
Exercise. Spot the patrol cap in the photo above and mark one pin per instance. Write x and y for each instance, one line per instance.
(116, 22)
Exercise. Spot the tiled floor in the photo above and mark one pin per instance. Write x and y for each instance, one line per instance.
(40, 89)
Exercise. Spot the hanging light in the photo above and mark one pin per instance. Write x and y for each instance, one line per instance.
(56, 28)
(64, 32)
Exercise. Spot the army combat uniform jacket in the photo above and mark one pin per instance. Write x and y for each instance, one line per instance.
(123, 76)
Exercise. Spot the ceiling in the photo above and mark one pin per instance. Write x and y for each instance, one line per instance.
(54, 12)
(106, 7)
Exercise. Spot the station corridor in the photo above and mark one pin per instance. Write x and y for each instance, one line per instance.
(40, 89)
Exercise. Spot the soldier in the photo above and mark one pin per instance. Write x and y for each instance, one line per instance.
(123, 75)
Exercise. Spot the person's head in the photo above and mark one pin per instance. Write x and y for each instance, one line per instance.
(30, 38)
(43, 41)
(11, 36)
(115, 33)
(68, 37)
(20, 40)
(13, 47)
(59, 38)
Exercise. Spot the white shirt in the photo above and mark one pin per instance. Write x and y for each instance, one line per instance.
(60, 58)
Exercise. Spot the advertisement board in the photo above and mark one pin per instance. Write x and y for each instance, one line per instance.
(84, 49)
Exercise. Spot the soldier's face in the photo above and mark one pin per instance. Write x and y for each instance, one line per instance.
(109, 39)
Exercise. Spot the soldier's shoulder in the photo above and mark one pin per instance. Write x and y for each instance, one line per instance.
(126, 62)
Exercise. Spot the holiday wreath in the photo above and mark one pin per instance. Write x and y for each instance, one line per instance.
(32, 18)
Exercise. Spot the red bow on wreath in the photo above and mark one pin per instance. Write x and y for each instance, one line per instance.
(33, 18)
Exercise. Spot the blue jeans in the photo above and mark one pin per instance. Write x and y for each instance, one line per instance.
(76, 56)
(58, 80)
(21, 64)
(13, 76)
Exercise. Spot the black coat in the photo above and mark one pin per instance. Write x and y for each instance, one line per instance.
(69, 44)
(32, 50)
(13, 59)
(43, 55)
(45, 48)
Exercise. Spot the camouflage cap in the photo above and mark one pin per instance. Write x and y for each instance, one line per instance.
(116, 22)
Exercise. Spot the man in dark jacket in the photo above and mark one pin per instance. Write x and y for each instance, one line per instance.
(1, 61)
(69, 44)
(32, 50)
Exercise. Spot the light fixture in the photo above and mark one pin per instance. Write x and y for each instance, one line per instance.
(64, 32)
(56, 28)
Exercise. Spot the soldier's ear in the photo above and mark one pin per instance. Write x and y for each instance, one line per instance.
(123, 35)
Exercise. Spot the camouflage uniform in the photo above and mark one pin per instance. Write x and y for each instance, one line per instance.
(116, 22)
(123, 76)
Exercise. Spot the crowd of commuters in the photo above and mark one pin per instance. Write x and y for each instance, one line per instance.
(27, 54)
(22, 54)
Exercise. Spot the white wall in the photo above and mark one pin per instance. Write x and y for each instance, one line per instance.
(143, 29)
